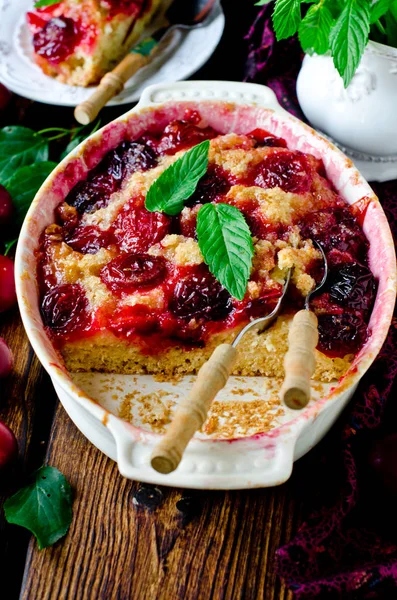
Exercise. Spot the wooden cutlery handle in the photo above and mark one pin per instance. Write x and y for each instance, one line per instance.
(299, 362)
(110, 85)
(192, 412)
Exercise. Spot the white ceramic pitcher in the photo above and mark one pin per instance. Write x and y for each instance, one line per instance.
(363, 117)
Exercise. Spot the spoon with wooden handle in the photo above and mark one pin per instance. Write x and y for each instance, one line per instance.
(182, 14)
(212, 377)
(299, 361)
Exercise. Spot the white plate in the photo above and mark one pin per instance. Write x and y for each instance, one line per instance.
(186, 54)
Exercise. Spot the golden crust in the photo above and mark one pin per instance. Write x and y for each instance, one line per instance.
(258, 355)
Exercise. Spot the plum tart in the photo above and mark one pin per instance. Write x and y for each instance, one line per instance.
(78, 41)
(126, 289)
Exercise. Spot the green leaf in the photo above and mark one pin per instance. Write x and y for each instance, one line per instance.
(41, 3)
(315, 28)
(78, 136)
(391, 25)
(349, 36)
(379, 8)
(286, 18)
(225, 241)
(72, 145)
(179, 181)
(25, 183)
(262, 2)
(19, 146)
(44, 507)
(9, 245)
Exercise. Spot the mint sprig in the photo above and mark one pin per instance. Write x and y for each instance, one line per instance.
(338, 27)
(349, 37)
(179, 181)
(225, 241)
(315, 29)
(44, 507)
(380, 8)
(286, 18)
(24, 163)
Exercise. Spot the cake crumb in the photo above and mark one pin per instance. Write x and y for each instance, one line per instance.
(239, 419)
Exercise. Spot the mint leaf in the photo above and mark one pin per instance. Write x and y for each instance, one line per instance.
(72, 145)
(379, 8)
(179, 181)
(286, 18)
(44, 507)
(19, 146)
(391, 25)
(225, 241)
(41, 3)
(25, 183)
(9, 245)
(349, 37)
(315, 28)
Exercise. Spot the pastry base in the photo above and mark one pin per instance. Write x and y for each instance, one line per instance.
(258, 355)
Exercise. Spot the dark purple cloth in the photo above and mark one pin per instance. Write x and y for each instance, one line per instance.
(347, 545)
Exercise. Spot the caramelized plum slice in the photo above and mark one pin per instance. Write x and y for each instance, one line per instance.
(264, 138)
(86, 197)
(57, 39)
(128, 272)
(341, 334)
(336, 229)
(201, 296)
(286, 170)
(211, 187)
(88, 239)
(353, 285)
(135, 156)
(64, 307)
(107, 177)
(183, 134)
(136, 229)
(139, 319)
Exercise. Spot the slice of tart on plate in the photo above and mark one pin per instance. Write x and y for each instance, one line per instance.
(125, 289)
(78, 41)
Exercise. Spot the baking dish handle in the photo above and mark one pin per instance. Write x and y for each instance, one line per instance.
(226, 91)
(256, 462)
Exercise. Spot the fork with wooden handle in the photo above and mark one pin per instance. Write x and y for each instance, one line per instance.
(112, 84)
(192, 412)
(212, 377)
(180, 15)
(299, 361)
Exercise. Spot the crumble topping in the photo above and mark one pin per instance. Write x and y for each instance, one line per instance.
(178, 249)
(141, 275)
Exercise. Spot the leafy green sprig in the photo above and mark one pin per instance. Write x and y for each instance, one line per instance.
(338, 27)
(25, 164)
(223, 235)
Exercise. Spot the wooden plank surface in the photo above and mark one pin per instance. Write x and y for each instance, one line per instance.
(27, 402)
(129, 540)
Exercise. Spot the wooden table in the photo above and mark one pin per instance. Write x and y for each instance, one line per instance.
(129, 540)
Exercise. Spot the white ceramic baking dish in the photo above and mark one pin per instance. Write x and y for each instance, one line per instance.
(260, 460)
